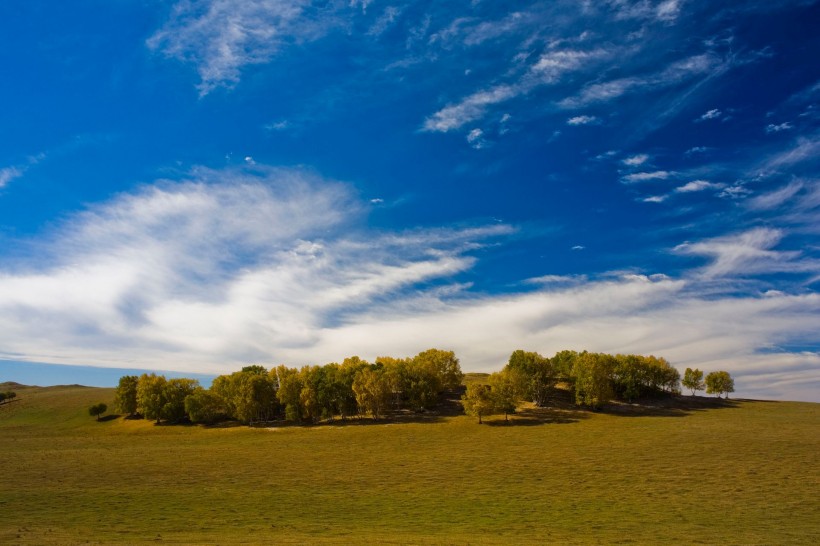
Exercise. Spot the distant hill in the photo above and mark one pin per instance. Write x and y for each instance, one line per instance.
(11, 385)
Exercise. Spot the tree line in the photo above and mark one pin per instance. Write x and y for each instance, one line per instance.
(7, 396)
(309, 394)
(594, 378)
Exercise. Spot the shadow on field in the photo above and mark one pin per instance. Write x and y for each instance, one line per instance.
(108, 418)
(668, 406)
(535, 416)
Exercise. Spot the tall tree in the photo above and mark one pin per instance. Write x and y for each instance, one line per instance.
(539, 375)
(125, 397)
(508, 387)
(593, 379)
(174, 393)
(203, 406)
(719, 383)
(478, 401)
(693, 380)
(442, 364)
(151, 395)
(372, 391)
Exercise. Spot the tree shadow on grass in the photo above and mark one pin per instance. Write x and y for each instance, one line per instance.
(668, 405)
(534, 416)
(109, 418)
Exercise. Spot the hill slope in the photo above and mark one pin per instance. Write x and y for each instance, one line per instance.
(740, 472)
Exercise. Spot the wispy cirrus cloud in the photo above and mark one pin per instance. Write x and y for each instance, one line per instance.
(7, 174)
(583, 120)
(749, 253)
(270, 265)
(547, 70)
(699, 185)
(221, 37)
(646, 176)
(675, 73)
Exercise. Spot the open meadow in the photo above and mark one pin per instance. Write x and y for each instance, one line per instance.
(696, 471)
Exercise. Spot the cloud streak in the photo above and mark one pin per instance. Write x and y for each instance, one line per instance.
(270, 265)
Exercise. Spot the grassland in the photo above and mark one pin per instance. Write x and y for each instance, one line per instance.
(695, 472)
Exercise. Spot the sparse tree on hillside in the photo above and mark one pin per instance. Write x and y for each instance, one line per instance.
(97, 409)
(10, 395)
(720, 382)
(125, 397)
(693, 380)
(478, 401)
(2, 397)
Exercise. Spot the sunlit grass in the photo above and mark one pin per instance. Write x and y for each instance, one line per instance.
(740, 473)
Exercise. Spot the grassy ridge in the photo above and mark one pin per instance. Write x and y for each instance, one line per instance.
(740, 472)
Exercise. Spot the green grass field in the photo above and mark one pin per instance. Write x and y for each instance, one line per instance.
(698, 472)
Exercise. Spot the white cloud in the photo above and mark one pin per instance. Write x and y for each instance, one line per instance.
(711, 114)
(470, 109)
(772, 128)
(578, 247)
(775, 198)
(696, 150)
(385, 21)
(272, 266)
(748, 253)
(278, 125)
(806, 149)
(655, 199)
(7, 174)
(699, 185)
(476, 139)
(646, 176)
(582, 120)
(223, 36)
(635, 160)
(548, 69)
(673, 74)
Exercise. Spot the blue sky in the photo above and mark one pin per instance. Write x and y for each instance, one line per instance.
(198, 185)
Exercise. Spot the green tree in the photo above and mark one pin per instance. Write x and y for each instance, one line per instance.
(508, 387)
(539, 375)
(97, 409)
(593, 379)
(125, 397)
(443, 365)
(204, 406)
(151, 395)
(372, 391)
(174, 393)
(719, 383)
(563, 364)
(289, 391)
(2, 397)
(10, 395)
(693, 380)
(478, 401)
(255, 369)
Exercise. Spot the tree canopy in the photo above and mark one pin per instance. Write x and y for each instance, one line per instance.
(719, 382)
